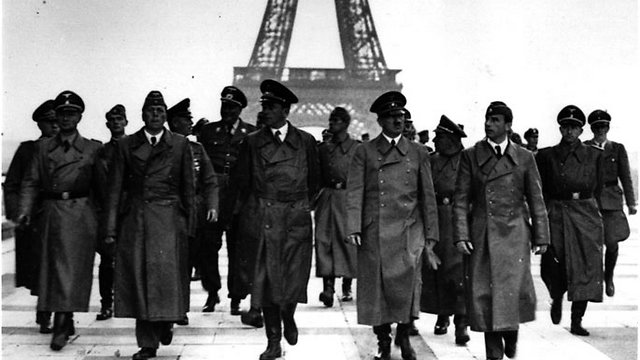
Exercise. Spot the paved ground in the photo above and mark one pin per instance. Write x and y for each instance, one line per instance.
(327, 333)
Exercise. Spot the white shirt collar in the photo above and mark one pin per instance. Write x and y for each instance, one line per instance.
(397, 138)
(157, 136)
(503, 145)
(283, 131)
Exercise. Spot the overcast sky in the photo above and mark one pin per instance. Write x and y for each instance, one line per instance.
(456, 56)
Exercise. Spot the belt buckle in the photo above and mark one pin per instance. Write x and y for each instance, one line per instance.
(445, 201)
(575, 196)
(64, 195)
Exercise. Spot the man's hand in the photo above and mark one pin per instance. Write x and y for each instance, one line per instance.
(632, 209)
(212, 215)
(540, 249)
(432, 258)
(354, 239)
(23, 220)
(464, 247)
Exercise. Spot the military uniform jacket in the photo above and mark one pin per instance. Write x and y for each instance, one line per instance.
(68, 222)
(614, 166)
(151, 272)
(334, 257)
(492, 202)
(570, 179)
(206, 181)
(392, 204)
(275, 240)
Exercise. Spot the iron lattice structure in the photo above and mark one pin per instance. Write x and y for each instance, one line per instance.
(364, 77)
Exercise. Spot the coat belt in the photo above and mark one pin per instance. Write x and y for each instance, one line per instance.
(65, 195)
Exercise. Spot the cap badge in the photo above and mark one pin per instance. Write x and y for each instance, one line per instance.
(229, 96)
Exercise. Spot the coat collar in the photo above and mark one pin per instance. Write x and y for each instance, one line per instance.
(293, 138)
(79, 142)
(486, 153)
(383, 145)
(139, 138)
(578, 151)
(344, 145)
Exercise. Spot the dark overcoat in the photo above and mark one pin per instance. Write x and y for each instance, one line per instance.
(443, 289)
(334, 257)
(277, 183)
(151, 272)
(614, 165)
(492, 203)
(574, 261)
(68, 226)
(391, 203)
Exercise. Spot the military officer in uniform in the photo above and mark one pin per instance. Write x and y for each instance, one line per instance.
(497, 186)
(334, 258)
(531, 137)
(615, 165)
(116, 123)
(65, 173)
(27, 238)
(278, 177)
(221, 140)
(443, 289)
(571, 178)
(392, 218)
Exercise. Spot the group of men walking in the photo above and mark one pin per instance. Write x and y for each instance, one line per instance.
(448, 233)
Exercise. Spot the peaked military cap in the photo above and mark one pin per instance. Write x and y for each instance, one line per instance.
(180, 109)
(571, 114)
(116, 110)
(45, 112)
(499, 108)
(233, 95)
(154, 98)
(199, 124)
(423, 132)
(407, 114)
(274, 91)
(449, 127)
(69, 99)
(599, 117)
(389, 101)
(531, 132)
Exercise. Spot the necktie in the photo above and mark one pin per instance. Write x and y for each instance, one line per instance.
(153, 141)
(393, 143)
(498, 151)
(277, 135)
(66, 145)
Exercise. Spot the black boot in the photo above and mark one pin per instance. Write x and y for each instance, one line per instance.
(71, 329)
(578, 308)
(274, 333)
(383, 333)
(326, 296)
(43, 318)
(346, 289)
(212, 300)
(105, 284)
(610, 259)
(441, 325)
(462, 336)
(290, 329)
(402, 334)
(235, 306)
(251, 318)
(144, 353)
(60, 331)
(556, 310)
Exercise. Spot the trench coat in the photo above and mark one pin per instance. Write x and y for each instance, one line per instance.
(574, 261)
(334, 257)
(151, 272)
(614, 165)
(276, 184)
(27, 237)
(68, 226)
(493, 201)
(391, 203)
(443, 289)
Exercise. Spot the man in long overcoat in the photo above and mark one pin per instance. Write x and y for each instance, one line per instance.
(498, 185)
(278, 175)
(443, 289)
(154, 167)
(65, 173)
(27, 238)
(334, 258)
(392, 217)
(571, 178)
(614, 166)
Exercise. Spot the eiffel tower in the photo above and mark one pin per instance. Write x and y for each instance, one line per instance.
(364, 77)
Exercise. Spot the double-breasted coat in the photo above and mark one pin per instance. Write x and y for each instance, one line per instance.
(443, 289)
(151, 273)
(277, 183)
(570, 180)
(334, 257)
(391, 203)
(69, 182)
(493, 200)
(614, 165)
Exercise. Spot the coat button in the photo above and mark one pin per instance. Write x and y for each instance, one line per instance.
(381, 181)
(268, 204)
(381, 205)
(381, 192)
(267, 226)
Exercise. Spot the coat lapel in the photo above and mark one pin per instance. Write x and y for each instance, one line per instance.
(160, 151)
(506, 164)
(140, 148)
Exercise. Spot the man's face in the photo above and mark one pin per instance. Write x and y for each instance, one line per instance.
(48, 128)
(273, 114)
(600, 130)
(409, 131)
(442, 142)
(495, 126)
(68, 119)
(116, 124)
(424, 138)
(182, 125)
(154, 117)
(392, 123)
(532, 140)
(229, 112)
(337, 124)
(570, 133)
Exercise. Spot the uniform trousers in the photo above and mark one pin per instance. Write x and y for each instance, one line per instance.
(209, 248)
(148, 333)
(105, 274)
(495, 342)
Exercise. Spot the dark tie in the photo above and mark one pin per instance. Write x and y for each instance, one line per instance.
(153, 141)
(393, 143)
(277, 135)
(498, 152)
(66, 145)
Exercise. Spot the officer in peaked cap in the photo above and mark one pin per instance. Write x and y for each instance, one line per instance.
(571, 115)
(179, 117)
(389, 102)
(233, 95)
(45, 112)
(614, 170)
(68, 100)
(275, 91)
(531, 136)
